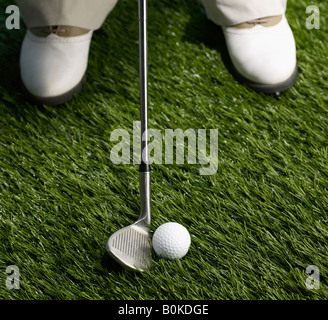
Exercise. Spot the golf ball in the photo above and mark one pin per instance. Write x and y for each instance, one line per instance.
(171, 240)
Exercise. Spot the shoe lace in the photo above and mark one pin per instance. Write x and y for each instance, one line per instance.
(257, 21)
(55, 29)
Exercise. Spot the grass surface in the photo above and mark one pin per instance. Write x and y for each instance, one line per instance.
(255, 225)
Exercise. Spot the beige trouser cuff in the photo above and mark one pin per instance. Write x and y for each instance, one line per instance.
(88, 14)
(231, 12)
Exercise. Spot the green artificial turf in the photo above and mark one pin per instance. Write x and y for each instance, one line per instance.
(255, 225)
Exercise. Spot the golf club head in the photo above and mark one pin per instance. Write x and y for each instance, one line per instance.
(130, 246)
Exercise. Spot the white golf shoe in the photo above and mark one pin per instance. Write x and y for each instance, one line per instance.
(263, 54)
(53, 63)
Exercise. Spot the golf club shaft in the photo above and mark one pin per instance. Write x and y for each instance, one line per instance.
(144, 166)
(143, 80)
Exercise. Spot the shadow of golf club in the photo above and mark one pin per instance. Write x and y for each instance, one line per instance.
(110, 264)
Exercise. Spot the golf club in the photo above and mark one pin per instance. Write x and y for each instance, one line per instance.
(130, 246)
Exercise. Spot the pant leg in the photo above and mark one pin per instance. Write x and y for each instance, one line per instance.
(231, 12)
(88, 14)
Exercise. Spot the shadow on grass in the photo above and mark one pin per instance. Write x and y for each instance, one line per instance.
(110, 264)
(113, 266)
(201, 30)
(9, 60)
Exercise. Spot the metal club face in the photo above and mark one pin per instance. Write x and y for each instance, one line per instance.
(130, 246)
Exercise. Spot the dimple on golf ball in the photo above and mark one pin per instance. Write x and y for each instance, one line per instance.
(171, 240)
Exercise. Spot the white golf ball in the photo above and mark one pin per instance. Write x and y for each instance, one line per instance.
(171, 240)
